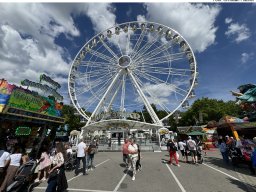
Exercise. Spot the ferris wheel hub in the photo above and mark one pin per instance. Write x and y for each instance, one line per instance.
(124, 61)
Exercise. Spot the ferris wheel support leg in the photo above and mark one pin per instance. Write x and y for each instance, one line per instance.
(145, 100)
(104, 96)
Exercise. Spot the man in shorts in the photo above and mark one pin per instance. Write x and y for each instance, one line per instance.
(191, 144)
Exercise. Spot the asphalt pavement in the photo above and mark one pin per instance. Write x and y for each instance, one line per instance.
(110, 175)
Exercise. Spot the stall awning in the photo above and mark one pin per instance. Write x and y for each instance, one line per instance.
(195, 133)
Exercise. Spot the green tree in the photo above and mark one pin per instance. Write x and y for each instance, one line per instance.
(71, 117)
(205, 110)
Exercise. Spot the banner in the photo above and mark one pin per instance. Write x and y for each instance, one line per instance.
(5, 92)
(42, 87)
(27, 100)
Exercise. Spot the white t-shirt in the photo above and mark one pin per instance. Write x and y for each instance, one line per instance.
(181, 145)
(132, 148)
(15, 159)
(191, 144)
(5, 157)
(80, 149)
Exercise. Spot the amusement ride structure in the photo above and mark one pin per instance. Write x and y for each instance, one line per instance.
(127, 68)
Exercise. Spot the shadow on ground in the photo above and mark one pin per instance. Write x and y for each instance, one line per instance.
(241, 168)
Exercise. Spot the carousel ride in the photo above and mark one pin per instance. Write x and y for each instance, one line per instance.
(246, 99)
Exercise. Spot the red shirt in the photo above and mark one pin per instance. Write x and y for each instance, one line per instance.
(125, 148)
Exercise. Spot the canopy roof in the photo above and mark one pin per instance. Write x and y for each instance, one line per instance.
(120, 123)
(193, 133)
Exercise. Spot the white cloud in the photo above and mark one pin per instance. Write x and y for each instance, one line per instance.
(159, 92)
(102, 16)
(28, 32)
(141, 18)
(186, 19)
(245, 57)
(228, 20)
(238, 32)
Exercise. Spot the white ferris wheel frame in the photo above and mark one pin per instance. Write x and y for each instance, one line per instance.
(81, 54)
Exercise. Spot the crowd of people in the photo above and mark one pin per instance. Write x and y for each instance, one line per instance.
(238, 151)
(51, 166)
(187, 148)
(51, 163)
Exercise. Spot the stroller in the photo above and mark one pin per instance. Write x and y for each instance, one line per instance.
(24, 178)
(71, 162)
(200, 156)
(238, 156)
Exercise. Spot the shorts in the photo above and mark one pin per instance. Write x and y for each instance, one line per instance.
(183, 153)
(193, 152)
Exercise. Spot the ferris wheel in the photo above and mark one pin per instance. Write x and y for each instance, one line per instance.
(131, 66)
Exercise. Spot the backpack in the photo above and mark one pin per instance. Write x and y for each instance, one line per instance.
(173, 147)
(191, 144)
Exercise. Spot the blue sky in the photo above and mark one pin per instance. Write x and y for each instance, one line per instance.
(44, 38)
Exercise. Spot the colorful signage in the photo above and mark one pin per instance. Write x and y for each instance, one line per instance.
(23, 131)
(27, 100)
(49, 80)
(42, 87)
(5, 92)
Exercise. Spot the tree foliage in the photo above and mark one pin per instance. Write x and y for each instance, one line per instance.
(71, 118)
(208, 109)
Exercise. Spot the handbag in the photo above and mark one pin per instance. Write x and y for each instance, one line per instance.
(53, 174)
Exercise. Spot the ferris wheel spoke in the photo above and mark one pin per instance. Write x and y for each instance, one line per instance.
(123, 92)
(97, 94)
(147, 46)
(157, 81)
(166, 71)
(99, 73)
(128, 43)
(94, 64)
(152, 95)
(137, 45)
(105, 94)
(92, 85)
(154, 52)
(161, 59)
(91, 74)
(113, 97)
(109, 49)
(102, 56)
(144, 98)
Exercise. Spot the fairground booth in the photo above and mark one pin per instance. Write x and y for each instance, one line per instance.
(207, 133)
(236, 127)
(26, 118)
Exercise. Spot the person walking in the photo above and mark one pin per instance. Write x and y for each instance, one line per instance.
(57, 179)
(81, 155)
(126, 152)
(224, 150)
(15, 162)
(4, 162)
(133, 154)
(182, 148)
(172, 148)
(192, 149)
(91, 152)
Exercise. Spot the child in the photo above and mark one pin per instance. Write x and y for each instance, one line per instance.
(44, 165)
